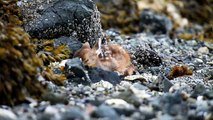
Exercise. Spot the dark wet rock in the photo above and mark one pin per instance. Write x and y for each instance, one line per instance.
(71, 42)
(104, 111)
(74, 113)
(147, 57)
(97, 74)
(154, 23)
(76, 72)
(67, 17)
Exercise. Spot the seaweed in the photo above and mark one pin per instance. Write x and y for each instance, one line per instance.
(178, 71)
(18, 60)
(50, 53)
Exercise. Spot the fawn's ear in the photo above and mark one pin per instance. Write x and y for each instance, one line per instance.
(82, 50)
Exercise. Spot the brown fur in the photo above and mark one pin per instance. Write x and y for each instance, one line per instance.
(115, 58)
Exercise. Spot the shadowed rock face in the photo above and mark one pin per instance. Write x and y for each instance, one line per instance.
(79, 18)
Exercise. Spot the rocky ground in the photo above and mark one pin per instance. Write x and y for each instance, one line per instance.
(148, 94)
(172, 81)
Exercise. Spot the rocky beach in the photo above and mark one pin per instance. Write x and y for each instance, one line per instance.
(170, 52)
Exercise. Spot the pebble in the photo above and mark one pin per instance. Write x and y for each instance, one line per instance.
(140, 91)
(138, 86)
(100, 89)
(125, 84)
(165, 117)
(202, 105)
(51, 110)
(121, 106)
(119, 103)
(132, 97)
(102, 84)
(203, 50)
(7, 115)
(209, 45)
(135, 77)
(74, 113)
(104, 111)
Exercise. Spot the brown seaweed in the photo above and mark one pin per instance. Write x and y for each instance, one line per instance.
(18, 60)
